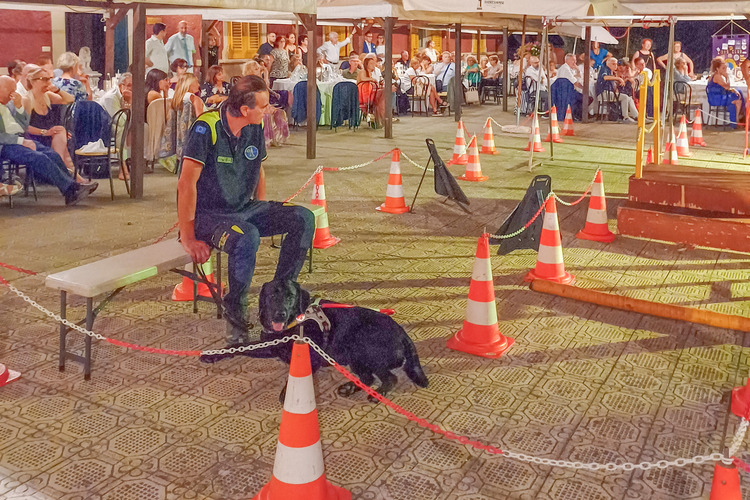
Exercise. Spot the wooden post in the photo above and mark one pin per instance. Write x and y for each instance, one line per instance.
(388, 76)
(520, 72)
(506, 78)
(458, 94)
(479, 44)
(206, 26)
(586, 98)
(138, 135)
(115, 16)
(311, 21)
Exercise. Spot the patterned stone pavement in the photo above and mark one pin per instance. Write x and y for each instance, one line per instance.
(581, 382)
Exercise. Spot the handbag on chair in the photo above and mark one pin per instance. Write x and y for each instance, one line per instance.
(472, 95)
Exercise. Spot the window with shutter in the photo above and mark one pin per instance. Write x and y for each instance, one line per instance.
(244, 40)
(438, 39)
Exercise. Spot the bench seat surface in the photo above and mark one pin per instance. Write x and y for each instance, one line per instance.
(103, 276)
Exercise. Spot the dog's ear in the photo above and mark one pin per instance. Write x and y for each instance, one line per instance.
(303, 297)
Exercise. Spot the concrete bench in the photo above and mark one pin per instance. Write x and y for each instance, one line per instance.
(110, 275)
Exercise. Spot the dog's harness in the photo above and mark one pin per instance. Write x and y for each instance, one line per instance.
(315, 313)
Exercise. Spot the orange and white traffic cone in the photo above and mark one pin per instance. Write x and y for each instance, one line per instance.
(298, 469)
(568, 123)
(696, 136)
(596, 228)
(473, 168)
(322, 238)
(7, 376)
(549, 261)
(394, 194)
(183, 291)
(555, 136)
(459, 147)
(670, 151)
(683, 148)
(650, 157)
(480, 335)
(488, 139)
(726, 483)
(537, 138)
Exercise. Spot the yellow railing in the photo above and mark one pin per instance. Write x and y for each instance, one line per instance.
(655, 129)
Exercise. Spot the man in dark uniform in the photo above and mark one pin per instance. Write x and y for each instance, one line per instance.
(216, 202)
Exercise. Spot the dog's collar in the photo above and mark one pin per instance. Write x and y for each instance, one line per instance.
(315, 313)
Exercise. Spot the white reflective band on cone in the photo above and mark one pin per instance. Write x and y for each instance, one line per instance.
(598, 190)
(300, 395)
(597, 216)
(298, 465)
(394, 191)
(550, 255)
(320, 191)
(550, 222)
(395, 167)
(481, 313)
(482, 270)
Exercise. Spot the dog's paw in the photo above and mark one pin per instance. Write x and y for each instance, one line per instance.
(347, 389)
(213, 358)
(373, 399)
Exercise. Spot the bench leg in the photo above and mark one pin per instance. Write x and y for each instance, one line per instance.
(309, 261)
(63, 329)
(218, 281)
(87, 340)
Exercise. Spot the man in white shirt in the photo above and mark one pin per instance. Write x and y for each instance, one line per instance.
(533, 72)
(156, 54)
(570, 72)
(445, 70)
(119, 96)
(181, 46)
(332, 47)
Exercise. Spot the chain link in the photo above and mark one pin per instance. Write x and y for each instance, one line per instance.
(304, 186)
(167, 233)
(739, 437)
(415, 163)
(361, 165)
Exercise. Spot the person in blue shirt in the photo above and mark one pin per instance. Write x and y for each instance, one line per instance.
(217, 205)
(367, 46)
(598, 55)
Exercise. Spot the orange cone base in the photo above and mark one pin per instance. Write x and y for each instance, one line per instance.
(684, 155)
(537, 148)
(473, 179)
(183, 292)
(392, 210)
(556, 141)
(7, 376)
(483, 152)
(702, 144)
(608, 237)
(726, 483)
(491, 350)
(320, 489)
(565, 279)
(326, 243)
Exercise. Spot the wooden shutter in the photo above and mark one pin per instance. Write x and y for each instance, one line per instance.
(243, 39)
(438, 39)
(343, 32)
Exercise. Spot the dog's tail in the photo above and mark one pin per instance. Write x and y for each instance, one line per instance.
(412, 367)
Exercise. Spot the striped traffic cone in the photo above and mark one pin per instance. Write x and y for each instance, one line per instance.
(650, 157)
(555, 136)
(683, 148)
(536, 138)
(549, 261)
(480, 335)
(488, 139)
(670, 151)
(696, 136)
(298, 469)
(596, 228)
(473, 168)
(459, 147)
(726, 483)
(323, 238)
(7, 376)
(183, 291)
(568, 123)
(394, 194)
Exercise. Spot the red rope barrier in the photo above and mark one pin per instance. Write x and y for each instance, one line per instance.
(17, 269)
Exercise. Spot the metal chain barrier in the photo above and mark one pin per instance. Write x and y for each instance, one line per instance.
(415, 163)
(593, 466)
(355, 167)
(167, 233)
(304, 186)
(583, 196)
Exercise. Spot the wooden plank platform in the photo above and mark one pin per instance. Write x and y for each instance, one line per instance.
(663, 224)
(708, 189)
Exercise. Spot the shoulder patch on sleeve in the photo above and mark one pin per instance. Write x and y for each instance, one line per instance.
(200, 128)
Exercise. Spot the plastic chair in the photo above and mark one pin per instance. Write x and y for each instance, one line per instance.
(720, 102)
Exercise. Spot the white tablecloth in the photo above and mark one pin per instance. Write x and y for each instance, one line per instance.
(699, 94)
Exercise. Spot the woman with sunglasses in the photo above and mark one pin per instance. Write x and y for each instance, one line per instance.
(42, 105)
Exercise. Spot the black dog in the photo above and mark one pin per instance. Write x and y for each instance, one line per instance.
(371, 343)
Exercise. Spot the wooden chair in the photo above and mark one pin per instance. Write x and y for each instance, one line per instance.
(419, 96)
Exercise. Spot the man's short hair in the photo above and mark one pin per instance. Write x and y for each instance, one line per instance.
(243, 94)
(124, 77)
(15, 67)
(159, 27)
